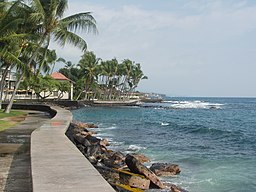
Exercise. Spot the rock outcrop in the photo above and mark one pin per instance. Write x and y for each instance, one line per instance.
(136, 167)
(123, 172)
(165, 169)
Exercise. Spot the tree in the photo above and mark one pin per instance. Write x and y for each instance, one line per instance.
(43, 86)
(47, 15)
(89, 65)
(136, 76)
(109, 69)
(105, 80)
(13, 18)
(63, 87)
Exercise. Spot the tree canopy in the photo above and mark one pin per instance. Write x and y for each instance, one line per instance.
(105, 80)
(26, 29)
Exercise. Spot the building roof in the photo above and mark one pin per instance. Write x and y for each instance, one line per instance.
(59, 76)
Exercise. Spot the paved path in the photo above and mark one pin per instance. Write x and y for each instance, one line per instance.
(36, 155)
(15, 172)
(57, 164)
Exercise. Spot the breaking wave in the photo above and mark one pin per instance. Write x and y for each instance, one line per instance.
(135, 148)
(193, 105)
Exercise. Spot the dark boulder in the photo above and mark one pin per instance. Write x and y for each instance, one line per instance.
(173, 188)
(136, 167)
(134, 180)
(113, 159)
(165, 169)
(111, 175)
(81, 125)
(94, 150)
(169, 188)
(140, 157)
(104, 142)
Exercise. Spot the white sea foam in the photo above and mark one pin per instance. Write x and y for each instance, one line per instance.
(105, 135)
(116, 143)
(110, 128)
(194, 105)
(135, 148)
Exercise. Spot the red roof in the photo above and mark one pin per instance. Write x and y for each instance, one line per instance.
(59, 76)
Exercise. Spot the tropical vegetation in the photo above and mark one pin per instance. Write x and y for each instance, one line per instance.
(26, 29)
(104, 80)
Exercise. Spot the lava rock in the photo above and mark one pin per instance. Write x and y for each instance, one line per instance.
(136, 167)
(165, 169)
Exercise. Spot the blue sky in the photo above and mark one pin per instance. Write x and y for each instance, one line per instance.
(186, 48)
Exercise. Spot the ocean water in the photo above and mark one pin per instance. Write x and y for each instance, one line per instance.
(213, 140)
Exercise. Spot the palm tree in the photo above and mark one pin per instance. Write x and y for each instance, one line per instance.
(89, 65)
(12, 43)
(136, 76)
(109, 70)
(126, 69)
(47, 15)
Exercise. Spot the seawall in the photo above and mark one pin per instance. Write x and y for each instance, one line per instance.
(56, 163)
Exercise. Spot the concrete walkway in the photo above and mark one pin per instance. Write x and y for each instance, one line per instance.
(57, 165)
(15, 172)
(46, 160)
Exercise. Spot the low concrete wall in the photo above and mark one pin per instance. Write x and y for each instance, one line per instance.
(56, 163)
(36, 107)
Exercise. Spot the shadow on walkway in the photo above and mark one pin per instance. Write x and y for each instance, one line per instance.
(15, 165)
(19, 176)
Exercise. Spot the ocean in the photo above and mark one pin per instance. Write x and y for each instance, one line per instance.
(213, 140)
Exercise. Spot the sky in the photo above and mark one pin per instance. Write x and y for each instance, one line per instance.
(185, 47)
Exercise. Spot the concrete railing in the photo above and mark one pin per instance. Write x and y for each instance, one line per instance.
(56, 163)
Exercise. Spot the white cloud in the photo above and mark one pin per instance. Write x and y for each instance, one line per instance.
(203, 40)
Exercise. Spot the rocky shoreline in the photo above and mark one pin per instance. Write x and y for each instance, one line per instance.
(124, 172)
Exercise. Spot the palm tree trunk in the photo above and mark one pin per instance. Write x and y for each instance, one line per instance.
(4, 75)
(45, 53)
(9, 106)
(79, 95)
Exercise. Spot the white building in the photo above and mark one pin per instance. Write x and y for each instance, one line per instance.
(62, 78)
(29, 94)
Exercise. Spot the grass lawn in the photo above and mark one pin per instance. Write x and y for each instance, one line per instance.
(11, 119)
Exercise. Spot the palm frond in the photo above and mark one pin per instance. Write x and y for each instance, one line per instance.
(38, 10)
(8, 57)
(63, 36)
(62, 7)
(80, 21)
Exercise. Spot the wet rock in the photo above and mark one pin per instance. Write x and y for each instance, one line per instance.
(174, 188)
(104, 142)
(86, 132)
(94, 150)
(158, 190)
(136, 167)
(111, 175)
(81, 140)
(125, 188)
(140, 157)
(82, 125)
(117, 157)
(78, 138)
(169, 188)
(134, 180)
(113, 159)
(93, 140)
(91, 125)
(165, 169)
